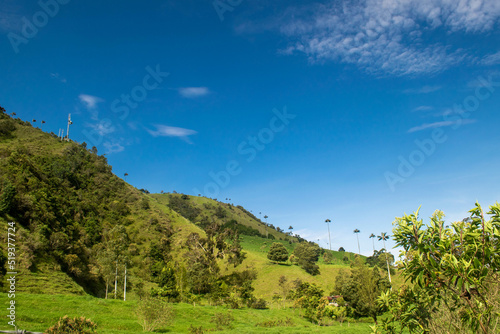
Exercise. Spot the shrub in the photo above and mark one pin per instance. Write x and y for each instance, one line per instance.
(277, 253)
(6, 128)
(222, 320)
(275, 323)
(153, 313)
(196, 330)
(259, 304)
(67, 325)
(232, 302)
(145, 204)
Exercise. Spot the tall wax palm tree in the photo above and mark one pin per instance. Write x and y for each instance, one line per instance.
(356, 231)
(267, 235)
(373, 241)
(383, 236)
(328, 221)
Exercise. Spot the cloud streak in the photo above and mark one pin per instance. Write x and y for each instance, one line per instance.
(440, 124)
(423, 108)
(102, 128)
(193, 92)
(113, 147)
(492, 59)
(90, 101)
(171, 131)
(422, 90)
(388, 36)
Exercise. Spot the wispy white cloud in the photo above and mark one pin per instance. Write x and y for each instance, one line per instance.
(423, 108)
(491, 59)
(90, 101)
(440, 124)
(171, 131)
(422, 90)
(387, 36)
(102, 128)
(193, 92)
(57, 76)
(113, 147)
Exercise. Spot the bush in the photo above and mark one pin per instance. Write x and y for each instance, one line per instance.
(145, 204)
(222, 320)
(196, 330)
(153, 313)
(67, 325)
(6, 128)
(232, 302)
(277, 252)
(276, 323)
(259, 304)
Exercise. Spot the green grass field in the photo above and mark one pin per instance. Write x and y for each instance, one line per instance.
(38, 312)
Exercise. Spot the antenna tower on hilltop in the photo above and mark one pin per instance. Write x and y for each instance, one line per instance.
(69, 123)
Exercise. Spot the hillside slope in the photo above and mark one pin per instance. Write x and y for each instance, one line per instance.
(78, 224)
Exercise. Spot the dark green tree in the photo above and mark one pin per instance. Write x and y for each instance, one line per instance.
(361, 289)
(167, 283)
(307, 255)
(277, 252)
(7, 193)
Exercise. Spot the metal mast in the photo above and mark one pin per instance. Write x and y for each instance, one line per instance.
(69, 123)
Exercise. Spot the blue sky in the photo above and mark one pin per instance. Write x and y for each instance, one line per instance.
(356, 111)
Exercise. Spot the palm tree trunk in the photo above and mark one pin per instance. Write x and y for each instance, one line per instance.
(387, 260)
(116, 277)
(329, 239)
(359, 249)
(125, 285)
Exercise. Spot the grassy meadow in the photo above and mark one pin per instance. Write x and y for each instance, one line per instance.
(38, 312)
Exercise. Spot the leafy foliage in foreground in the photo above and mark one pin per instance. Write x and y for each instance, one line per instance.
(454, 273)
(67, 325)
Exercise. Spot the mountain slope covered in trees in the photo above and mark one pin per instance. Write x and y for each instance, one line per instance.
(79, 227)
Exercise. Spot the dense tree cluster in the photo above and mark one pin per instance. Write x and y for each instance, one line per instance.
(306, 255)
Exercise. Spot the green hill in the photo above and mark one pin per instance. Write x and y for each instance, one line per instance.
(73, 216)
